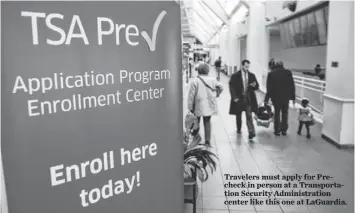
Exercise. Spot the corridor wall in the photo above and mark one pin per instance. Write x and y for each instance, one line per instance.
(304, 58)
(275, 47)
(257, 47)
(224, 46)
(243, 49)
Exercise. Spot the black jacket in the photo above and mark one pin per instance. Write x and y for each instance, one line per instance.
(280, 86)
(218, 63)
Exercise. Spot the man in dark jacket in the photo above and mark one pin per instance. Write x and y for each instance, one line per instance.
(281, 89)
(242, 86)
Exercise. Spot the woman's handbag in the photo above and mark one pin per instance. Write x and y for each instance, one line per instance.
(191, 122)
(192, 125)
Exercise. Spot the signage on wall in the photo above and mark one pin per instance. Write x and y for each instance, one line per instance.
(87, 88)
(335, 64)
(212, 46)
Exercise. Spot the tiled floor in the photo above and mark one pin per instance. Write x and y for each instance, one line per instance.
(270, 155)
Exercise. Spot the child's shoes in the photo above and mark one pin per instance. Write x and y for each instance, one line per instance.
(308, 135)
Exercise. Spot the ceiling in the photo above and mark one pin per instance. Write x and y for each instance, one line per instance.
(203, 19)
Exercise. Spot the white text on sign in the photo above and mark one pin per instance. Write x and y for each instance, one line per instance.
(105, 27)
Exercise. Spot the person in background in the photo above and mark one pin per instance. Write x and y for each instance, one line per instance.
(218, 65)
(320, 72)
(199, 62)
(280, 88)
(202, 98)
(317, 69)
(191, 62)
(271, 64)
(207, 60)
(305, 117)
(321, 75)
(242, 86)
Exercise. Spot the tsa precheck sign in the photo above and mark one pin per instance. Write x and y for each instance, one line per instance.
(118, 30)
(90, 90)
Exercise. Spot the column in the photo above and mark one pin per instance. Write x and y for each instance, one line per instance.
(240, 30)
(338, 118)
(224, 46)
(256, 40)
(237, 61)
(233, 46)
(229, 50)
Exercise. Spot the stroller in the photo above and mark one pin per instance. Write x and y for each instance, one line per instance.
(265, 115)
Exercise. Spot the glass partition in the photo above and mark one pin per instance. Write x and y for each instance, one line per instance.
(297, 36)
(312, 32)
(321, 26)
(291, 28)
(309, 29)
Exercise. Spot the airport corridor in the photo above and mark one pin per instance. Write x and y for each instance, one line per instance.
(270, 155)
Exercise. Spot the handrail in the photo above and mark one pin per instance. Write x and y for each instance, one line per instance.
(310, 88)
(308, 79)
(318, 86)
(309, 82)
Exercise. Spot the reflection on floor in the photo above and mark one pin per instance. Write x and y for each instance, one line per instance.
(285, 155)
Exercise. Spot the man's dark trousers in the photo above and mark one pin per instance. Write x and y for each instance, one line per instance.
(281, 110)
(249, 117)
(218, 69)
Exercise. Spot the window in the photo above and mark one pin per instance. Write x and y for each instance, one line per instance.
(306, 30)
(297, 26)
(282, 35)
(322, 32)
(287, 35)
(312, 32)
(326, 17)
(292, 32)
(303, 34)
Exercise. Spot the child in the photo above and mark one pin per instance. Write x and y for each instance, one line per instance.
(305, 117)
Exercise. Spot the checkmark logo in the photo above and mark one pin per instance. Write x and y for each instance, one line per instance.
(152, 41)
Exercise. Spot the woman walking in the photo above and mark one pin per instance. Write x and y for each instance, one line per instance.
(202, 98)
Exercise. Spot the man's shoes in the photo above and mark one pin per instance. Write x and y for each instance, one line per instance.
(284, 133)
(208, 143)
(277, 133)
(308, 136)
(299, 133)
(239, 131)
